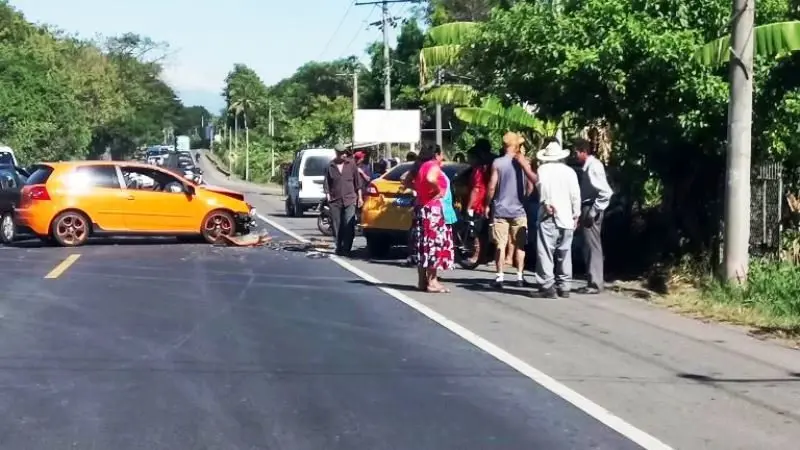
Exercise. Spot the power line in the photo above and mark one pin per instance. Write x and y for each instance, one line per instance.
(361, 28)
(338, 27)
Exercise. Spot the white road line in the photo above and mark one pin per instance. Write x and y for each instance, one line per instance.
(584, 404)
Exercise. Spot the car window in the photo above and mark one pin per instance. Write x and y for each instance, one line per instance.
(147, 179)
(6, 158)
(40, 175)
(453, 171)
(315, 166)
(396, 174)
(99, 176)
(8, 179)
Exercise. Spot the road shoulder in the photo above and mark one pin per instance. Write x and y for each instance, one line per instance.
(689, 383)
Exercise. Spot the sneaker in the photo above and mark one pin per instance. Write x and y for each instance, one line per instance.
(497, 283)
(562, 293)
(588, 290)
(548, 293)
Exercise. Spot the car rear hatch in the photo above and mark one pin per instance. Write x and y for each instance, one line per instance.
(392, 206)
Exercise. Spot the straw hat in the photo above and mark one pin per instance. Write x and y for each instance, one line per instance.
(553, 152)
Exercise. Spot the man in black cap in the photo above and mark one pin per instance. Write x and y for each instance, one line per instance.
(343, 191)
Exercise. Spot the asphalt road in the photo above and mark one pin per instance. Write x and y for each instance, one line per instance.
(151, 344)
(689, 383)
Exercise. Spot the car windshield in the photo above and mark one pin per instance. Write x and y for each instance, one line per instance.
(6, 158)
(315, 165)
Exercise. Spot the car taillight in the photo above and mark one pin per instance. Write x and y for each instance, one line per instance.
(372, 190)
(38, 193)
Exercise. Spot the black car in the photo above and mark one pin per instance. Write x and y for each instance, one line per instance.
(11, 181)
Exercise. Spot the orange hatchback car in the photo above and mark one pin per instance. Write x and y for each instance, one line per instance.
(70, 201)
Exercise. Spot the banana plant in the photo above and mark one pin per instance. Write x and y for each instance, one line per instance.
(770, 40)
(445, 43)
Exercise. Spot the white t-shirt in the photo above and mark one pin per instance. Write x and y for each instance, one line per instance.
(558, 187)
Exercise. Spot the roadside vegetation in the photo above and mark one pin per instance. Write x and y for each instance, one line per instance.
(63, 97)
(627, 75)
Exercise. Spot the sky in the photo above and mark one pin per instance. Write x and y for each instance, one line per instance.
(206, 37)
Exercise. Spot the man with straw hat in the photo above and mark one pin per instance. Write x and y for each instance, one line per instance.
(510, 182)
(559, 210)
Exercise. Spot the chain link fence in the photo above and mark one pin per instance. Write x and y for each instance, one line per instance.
(765, 206)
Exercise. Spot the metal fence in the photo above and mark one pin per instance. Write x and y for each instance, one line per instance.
(766, 205)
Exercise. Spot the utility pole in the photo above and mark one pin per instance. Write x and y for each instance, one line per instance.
(740, 117)
(355, 107)
(271, 141)
(439, 113)
(387, 60)
(355, 103)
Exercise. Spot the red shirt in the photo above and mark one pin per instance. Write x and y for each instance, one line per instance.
(478, 181)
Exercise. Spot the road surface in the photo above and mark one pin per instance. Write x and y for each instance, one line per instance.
(690, 384)
(151, 344)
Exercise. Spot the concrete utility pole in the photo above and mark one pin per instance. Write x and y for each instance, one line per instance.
(740, 117)
(272, 141)
(387, 60)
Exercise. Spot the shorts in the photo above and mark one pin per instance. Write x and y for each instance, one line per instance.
(515, 230)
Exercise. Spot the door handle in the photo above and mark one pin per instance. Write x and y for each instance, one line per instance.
(131, 197)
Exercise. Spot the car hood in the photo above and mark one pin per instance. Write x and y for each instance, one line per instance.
(223, 191)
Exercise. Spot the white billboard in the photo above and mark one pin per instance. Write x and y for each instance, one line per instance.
(381, 125)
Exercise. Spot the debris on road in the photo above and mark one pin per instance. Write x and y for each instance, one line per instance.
(259, 240)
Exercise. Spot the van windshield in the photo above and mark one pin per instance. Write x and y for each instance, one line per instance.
(315, 166)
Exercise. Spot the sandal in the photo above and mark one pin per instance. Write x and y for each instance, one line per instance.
(438, 290)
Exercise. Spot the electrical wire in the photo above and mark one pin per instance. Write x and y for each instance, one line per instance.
(338, 27)
(360, 29)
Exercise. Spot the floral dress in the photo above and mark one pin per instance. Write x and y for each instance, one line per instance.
(431, 238)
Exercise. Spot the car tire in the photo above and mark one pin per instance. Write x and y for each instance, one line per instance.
(71, 229)
(378, 246)
(8, 230)
(288, 208)
(217, 224)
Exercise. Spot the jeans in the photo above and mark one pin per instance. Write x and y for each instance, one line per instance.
(343, 221)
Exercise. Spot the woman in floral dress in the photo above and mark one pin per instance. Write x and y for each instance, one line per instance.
(432, 239)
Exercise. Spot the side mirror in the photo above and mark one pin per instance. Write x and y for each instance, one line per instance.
(200, 171)
(189, 189)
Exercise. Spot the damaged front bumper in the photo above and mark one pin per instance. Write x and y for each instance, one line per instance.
(246, 222)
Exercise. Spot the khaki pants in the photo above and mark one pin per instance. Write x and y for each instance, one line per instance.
(515, 230)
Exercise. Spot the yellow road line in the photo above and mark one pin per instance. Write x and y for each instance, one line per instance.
(62, 266)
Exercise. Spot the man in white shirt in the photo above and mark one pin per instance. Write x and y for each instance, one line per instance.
(596, 195)
(559, 210)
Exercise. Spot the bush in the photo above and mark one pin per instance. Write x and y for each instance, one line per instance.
(773, 289)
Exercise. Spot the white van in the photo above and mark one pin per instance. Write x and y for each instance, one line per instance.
(305, 183)
(7, 156)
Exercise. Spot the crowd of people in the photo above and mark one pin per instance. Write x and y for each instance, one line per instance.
(539, 202)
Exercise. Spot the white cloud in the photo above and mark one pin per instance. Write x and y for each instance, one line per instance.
(186, 78)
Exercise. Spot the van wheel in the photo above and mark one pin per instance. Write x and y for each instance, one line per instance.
(288, 208)
(8, 230)
(71, 229)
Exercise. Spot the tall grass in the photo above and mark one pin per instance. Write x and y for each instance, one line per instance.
(772, 289)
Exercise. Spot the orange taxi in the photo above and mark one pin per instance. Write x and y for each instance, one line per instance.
(70, 201)
(388, 206)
